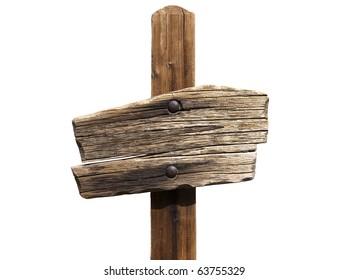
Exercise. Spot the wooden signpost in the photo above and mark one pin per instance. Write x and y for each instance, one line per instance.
(182, 138)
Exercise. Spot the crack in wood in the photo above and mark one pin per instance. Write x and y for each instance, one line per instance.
(210, 140)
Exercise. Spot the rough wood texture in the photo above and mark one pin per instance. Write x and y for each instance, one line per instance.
(137, 175)
(209, 116)
(211, 139)
(173, 213)
(173, 50)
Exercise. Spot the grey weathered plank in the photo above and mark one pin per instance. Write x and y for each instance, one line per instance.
(209, 115)
(211, 140)
(144, 174)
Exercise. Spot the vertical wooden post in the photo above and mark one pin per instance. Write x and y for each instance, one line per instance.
(173, 213)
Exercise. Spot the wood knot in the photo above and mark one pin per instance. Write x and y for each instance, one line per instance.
(154, 74)
(170, 65)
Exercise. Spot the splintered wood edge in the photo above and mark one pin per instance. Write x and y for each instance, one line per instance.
(220, 88)
(208, 114)
(165, 96)
(93, 184)
(138, 175)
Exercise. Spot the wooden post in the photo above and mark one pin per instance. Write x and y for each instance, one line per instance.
(173, 213)
(163, 145)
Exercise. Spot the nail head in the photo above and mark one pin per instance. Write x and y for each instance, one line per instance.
(173, 106)
(171, 171)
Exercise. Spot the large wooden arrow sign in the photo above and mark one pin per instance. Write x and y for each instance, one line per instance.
(183, 137)
(206, 135)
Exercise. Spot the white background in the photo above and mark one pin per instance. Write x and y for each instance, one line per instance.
(62, 59)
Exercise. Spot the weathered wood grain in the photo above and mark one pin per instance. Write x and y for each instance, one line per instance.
(173, 213)
(137, 175)
(218, 115)
(215, 125)
(210, 140)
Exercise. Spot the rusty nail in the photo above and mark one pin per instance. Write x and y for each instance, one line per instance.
(171, 171)
(173, 106)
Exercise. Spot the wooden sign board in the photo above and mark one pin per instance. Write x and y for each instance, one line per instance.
(187, 138)
(183, 137)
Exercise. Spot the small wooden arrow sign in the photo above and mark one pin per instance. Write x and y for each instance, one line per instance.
(207, 135)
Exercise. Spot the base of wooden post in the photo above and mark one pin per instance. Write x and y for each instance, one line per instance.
(173, 225)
